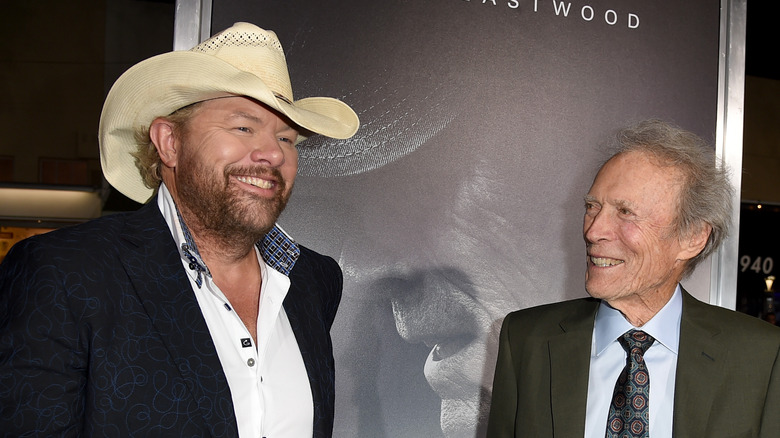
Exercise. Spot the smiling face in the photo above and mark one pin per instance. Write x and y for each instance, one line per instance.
(634, 253)
(232, 169)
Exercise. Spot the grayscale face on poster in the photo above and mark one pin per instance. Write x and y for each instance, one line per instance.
(460, 198)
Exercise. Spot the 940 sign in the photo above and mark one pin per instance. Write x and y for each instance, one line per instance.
(759, 265)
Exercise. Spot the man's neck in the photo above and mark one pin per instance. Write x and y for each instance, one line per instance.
(224, 251)
(639, 309)
(239, 276)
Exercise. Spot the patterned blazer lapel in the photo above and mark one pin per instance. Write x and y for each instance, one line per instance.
(154, 267)
(304, 311)
(569, 365)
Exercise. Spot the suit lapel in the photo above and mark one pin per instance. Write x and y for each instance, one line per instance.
(154, 267)
(699, 363)
(569, 364)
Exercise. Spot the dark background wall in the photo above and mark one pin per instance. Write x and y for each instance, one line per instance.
(59, 58)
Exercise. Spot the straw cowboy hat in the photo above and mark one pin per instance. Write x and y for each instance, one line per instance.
(242, 60)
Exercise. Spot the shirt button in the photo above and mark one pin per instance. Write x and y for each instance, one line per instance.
(250, 362)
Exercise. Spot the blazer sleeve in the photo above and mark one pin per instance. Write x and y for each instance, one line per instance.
(42, 362)
(770, 417)
(503, 405)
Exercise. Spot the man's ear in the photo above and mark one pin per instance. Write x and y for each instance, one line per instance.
(693, 244)
(162, 135)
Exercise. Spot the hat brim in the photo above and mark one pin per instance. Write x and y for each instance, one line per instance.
(165, 83)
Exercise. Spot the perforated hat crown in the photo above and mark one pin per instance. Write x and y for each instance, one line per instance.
(268, 62)
(243, 60)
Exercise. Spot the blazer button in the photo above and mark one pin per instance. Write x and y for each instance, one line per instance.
(250, 362)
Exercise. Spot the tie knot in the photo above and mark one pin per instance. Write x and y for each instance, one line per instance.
(636, 339)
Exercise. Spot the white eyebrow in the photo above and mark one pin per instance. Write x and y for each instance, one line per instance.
(620, 203)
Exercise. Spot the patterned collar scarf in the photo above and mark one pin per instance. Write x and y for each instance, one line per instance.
(278, 250)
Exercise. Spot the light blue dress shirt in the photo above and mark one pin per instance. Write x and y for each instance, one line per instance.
(608, 358)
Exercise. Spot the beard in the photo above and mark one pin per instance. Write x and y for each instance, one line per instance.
(224, 210)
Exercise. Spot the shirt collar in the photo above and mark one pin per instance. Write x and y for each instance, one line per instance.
(664, 326)
(277, 248)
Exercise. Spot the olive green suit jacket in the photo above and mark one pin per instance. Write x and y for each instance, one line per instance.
(727, 383)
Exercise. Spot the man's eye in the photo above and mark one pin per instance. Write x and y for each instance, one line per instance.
(286, 140)
(243, 129)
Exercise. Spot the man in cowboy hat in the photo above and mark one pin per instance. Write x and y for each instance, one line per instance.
(196, 315)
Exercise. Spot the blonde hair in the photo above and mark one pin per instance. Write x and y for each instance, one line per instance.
(147, 160)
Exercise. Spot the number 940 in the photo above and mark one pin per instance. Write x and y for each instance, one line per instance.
(757, 265)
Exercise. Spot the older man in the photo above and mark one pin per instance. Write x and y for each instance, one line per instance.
(196, 315)
(642, 357)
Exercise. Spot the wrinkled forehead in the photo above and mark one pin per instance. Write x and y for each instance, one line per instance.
(638, 179)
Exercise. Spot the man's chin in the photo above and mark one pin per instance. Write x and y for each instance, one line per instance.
(595, 290)
(259, 217)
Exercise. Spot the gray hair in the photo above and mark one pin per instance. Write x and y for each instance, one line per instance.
(705, 197)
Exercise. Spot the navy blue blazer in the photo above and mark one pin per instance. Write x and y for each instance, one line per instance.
(101, 334)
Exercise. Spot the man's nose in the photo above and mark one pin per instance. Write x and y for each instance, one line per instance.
(267, 150)
(598, 226)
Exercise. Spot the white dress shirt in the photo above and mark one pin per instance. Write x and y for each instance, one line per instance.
(608, 359)
(268, 381)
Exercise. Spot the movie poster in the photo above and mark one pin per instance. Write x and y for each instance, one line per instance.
(460, 198)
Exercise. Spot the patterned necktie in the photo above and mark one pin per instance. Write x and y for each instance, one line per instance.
(629, 415)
